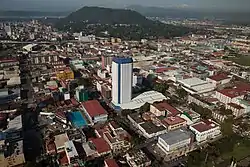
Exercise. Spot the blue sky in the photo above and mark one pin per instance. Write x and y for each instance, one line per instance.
(62, 5)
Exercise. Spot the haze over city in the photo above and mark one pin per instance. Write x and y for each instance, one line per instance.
(68, 5)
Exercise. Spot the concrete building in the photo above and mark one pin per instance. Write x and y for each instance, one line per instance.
(122, 70)
(219, 79)
(204, 130)
(163, 109)
(147, 125)
(117, 138)
(94, 111)
(173, 123)
(196, 85)
(175, 140)
(106, 60)
(137, 159)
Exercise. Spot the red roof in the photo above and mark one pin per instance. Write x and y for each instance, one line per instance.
(8, 60)
(63, 158)
(204, 125)
(164, 106)
(111, 163)
(219, 77)
(94, 108)
(164, 69)
(174, 120)
(74, 102)
(101, 145)
(232, 93)
(235, 106)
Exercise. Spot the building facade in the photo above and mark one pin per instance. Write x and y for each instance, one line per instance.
(122, 70)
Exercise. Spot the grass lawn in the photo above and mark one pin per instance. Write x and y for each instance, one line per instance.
(241, 60)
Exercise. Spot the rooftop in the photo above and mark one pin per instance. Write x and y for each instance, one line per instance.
(164, 106)
(71, 149)
(111, 163)
(94, 108)
(219, 77)
(101, 145)
(60, 140)
(151, 128)
(146, 97)
(173, 120)
(15, 124)
(204, 125)
(176, 136)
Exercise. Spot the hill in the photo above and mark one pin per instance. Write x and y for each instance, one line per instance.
(107, 16)
(123, 23)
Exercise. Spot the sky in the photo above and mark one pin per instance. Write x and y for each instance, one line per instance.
(70, 5)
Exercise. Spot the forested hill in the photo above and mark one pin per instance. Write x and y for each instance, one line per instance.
(107, 16)
(123, 23)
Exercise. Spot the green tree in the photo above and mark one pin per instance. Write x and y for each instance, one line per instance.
(161, 87)
(144, 108)
(181, 93)
(227, 127)
(86, 82)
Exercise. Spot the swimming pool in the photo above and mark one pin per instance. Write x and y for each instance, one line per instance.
(77, 119)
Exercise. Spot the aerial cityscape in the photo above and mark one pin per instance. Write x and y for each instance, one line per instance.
(124, 85)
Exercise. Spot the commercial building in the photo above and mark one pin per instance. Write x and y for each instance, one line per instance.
(175, 140)
(94, 111)
(117, 138)
(146, 97)
(173, 123)
(219, 79)
(60, 141)
(101, 146)
(204, 130)
(232, 95)
(65, 74)
(196, 85)
(81, 94)
(122, 70)
(147, 125)
(163, 109)
(137, 159)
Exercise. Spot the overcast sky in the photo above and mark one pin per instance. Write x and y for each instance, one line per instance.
(66, 5)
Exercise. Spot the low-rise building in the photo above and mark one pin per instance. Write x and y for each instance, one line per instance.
(149, 128)
(219, 79)
(94, 111)
(175, 140)
(163, 109)
(173, 123)
(101, 146)
(137, 159)
(205, 130)
(237, 110)
(110, 163)
(60, 141)
(117, 138)
(196, 85)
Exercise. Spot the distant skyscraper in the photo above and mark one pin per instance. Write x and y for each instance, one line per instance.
(122, 74)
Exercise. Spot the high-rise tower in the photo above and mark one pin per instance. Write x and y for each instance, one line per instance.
(122, 78)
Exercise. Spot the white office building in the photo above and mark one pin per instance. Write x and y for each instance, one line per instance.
(122, 79)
